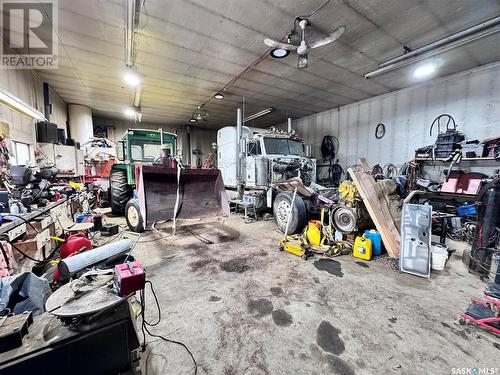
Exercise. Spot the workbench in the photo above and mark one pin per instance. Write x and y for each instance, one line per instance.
(15, 222)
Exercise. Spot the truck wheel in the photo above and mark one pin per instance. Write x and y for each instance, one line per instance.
(281, 208)
(119, 190)
(133, 216)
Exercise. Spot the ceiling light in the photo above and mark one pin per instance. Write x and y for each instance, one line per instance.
(132, 112)
(192, 119)
(424, 71)
(258, 114)
(219, 96)
(198, 117)
(279, 53)
(131, 77)
(18, 105)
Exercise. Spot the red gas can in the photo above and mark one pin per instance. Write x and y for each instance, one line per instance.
(73, 244)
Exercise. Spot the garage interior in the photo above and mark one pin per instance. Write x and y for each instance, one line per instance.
(235, 187)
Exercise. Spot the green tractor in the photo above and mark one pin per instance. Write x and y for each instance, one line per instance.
(165, 188)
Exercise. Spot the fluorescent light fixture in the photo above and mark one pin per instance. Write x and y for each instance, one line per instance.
(192, 119)
(132, 112)
(219, 96)
(279, 53)
(131, 78)
(424, 71)
(258, 114)
(18, 105)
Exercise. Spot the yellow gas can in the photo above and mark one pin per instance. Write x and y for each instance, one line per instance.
(362, 248)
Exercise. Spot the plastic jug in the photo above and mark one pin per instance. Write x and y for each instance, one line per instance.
(376, 239)
(362, 248)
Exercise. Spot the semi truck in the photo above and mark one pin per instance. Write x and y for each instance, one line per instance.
(255, 163)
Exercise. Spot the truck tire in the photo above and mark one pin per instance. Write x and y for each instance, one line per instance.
(119, 190)
(281, 207)
(133, 216)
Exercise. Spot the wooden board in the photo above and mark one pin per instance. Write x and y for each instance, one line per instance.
(377, 205)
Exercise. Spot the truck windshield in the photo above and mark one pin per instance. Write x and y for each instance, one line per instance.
(146, 150)
(283, 146)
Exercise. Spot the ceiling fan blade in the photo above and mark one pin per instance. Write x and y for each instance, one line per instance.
(329, 38)
(274, 44)
(302, 61)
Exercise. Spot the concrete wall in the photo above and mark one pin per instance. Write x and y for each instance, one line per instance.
(201, 139)
(471, 97)
(29, 88)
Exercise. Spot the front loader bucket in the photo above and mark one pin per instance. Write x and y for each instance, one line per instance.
(202, 196)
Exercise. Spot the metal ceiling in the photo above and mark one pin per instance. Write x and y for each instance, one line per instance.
(188, 49)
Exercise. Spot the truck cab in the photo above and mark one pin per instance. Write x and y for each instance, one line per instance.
(269, 157)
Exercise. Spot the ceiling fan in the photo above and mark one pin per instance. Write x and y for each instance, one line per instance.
(281, 49)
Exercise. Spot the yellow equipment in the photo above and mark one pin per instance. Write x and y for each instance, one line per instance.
(362, 248)
(348, 191)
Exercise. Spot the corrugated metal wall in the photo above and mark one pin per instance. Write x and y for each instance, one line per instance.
(472, 98)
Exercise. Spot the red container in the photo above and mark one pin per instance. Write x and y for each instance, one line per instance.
(129, 278)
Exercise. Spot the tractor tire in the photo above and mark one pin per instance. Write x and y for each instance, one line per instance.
(120, 191)
(133, 216)
(281, 208)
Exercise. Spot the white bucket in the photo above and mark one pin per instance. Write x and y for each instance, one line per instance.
(439, 255)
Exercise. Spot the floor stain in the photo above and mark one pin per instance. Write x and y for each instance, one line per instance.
(282, 318)
(396, 334)
(361, 264)
(328, 339)
(496, 345)
(260, 307)
(199, 264)
(455, 331)
(393, 320)
(276, 290)
(339, 366)
(331, 266)
(214, 298)
(238, 265)
(287, 303)
(316, 280)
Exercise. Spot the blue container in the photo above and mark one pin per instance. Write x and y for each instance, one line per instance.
(376, 239)
(466, 210)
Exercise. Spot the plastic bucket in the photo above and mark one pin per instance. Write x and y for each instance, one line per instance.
(439, 255)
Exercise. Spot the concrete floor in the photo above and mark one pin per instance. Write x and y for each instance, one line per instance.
(243, 307)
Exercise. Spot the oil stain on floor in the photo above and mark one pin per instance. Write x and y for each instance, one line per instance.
(331, 266)
(260, 307)
(238, 265)
(282, 318)
(328, 339)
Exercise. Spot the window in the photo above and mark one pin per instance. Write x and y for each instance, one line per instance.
(148, 150)
(283, 146)
(22, 155)
(254, 148)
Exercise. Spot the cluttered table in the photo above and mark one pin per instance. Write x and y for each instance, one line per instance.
(18, 220)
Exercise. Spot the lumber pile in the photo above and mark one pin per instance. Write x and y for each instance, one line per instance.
(376, 200)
